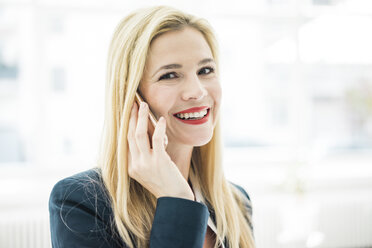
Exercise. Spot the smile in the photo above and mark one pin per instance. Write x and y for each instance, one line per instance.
(195, 118)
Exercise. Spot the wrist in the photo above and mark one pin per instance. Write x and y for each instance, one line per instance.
(187, 195)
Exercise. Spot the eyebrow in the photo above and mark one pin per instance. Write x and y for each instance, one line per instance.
(177, 66)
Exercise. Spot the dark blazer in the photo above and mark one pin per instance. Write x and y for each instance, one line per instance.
(81, 216)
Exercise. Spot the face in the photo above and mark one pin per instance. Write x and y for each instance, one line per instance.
(189, 85)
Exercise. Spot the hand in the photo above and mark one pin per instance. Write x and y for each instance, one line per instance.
(153, 168)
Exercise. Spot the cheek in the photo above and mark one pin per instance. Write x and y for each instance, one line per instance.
(159, 101)
(216, 93)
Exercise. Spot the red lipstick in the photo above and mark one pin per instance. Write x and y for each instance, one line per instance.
(197, 121)
(191, 110)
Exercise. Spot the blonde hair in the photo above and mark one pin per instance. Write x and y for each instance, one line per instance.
(133, 205)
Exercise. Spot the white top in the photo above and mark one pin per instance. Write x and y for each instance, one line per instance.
(199, 198)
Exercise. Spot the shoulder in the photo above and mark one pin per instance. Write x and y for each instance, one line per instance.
(80, 213)
(79, 186)
(82, 194)
(76, 181)
(247, 204)
(241, 189)
(244, 197)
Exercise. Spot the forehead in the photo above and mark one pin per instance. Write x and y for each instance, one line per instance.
(178, 46)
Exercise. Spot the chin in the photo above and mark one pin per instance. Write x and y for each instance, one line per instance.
(200, 141)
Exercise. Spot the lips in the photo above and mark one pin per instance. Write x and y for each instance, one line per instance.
(192, 110)
(196, 121)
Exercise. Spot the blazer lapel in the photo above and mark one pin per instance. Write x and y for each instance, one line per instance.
(199, 198)
(213, 218)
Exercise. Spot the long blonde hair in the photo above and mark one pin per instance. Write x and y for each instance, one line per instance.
(133, 205)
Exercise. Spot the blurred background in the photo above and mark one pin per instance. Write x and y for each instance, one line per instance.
(296, 110)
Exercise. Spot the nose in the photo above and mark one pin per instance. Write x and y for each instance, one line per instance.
(193, 89)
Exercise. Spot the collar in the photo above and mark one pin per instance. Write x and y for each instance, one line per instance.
(199, 198)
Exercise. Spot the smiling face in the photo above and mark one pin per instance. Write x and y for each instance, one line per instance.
(189, 80)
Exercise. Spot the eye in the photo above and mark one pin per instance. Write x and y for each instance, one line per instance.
(167, 76)
(208, 69)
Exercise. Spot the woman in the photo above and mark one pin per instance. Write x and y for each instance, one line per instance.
(145, 193)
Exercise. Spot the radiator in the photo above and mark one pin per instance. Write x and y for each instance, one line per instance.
(24, 229)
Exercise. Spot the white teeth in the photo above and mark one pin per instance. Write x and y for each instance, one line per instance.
(196, 115)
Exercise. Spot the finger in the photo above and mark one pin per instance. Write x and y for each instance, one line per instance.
(131, 168)
(159, 136)
(141, 135)
(131, 132)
